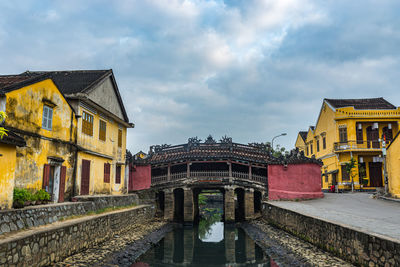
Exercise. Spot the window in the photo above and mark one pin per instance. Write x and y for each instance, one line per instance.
(317, 145)
(102, 130)
(345, 174)
(343, 134)
(87, 123)
(311, 149)
(324, 142)
(307, 150)
(119, 137)
(359, 135)
(107, 172)
(47, 122)
(118, 174)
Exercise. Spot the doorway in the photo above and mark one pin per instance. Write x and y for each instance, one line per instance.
(375, 174)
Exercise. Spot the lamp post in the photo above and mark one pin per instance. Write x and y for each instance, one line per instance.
(272, 142)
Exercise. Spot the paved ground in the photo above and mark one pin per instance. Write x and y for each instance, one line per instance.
(358, 210)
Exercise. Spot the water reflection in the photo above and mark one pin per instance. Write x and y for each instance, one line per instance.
(194, 247)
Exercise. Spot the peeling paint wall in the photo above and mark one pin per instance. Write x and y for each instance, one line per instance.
(7, 169)
(24, 108)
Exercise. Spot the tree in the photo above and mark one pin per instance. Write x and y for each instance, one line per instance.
(3, 131)
(349, 168)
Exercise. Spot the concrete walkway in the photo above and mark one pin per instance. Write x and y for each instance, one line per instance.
(358, 210)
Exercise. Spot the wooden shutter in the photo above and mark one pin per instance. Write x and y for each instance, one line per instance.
(118, 174)
(85, 177)
(62, 184)
(106, 172)
(46, 176)
(119, 138)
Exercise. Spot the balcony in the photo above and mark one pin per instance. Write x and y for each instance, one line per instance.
(359, 145)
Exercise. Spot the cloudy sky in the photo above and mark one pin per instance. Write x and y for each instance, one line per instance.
(250, 69)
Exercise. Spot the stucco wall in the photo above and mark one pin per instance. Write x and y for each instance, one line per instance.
(296, 181)
(141, 177)
(360, 248)
(7, 175)
(24, 109)
(393, 168)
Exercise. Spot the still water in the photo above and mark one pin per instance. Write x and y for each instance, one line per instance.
(210, 243)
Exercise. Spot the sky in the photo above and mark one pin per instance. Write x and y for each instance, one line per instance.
(248, 69)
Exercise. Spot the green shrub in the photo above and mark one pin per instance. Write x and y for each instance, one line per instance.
(21, 195)
(42, 195)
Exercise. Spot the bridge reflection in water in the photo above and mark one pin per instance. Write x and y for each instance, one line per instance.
(223, 245)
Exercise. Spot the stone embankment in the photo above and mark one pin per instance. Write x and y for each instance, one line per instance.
(19, 219)
(45, 245)
(351, 244)
(121, 250)
(288, 250)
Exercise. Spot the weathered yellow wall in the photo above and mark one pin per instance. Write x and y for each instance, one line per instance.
(7, 169)
(109, 148)
(25, 112)
(97, 184)
(393, 168)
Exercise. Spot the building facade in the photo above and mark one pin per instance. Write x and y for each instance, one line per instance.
(101, 129)
(39, 113)
(352, 128)
(74, 124)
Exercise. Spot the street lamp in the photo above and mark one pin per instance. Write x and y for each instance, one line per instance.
(272, 142)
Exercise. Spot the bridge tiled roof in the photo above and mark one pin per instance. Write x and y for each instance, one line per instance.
(217, 151)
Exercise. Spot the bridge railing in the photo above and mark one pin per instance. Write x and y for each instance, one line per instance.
(159, 179)
(259, 178)
(241, 175)
(178, 175)
(209, 174)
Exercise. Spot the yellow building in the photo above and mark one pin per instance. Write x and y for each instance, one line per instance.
(8, 158)
(101, 129)
(393, 166)
(352, 128)
(40, 114)
(301, 141)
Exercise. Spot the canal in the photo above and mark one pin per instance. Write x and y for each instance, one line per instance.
(209, 242)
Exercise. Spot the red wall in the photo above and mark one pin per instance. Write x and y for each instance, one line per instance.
(139, 177)
(296, 181)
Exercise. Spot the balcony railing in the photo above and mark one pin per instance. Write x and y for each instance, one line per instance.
(208, 175)
(358, 145)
